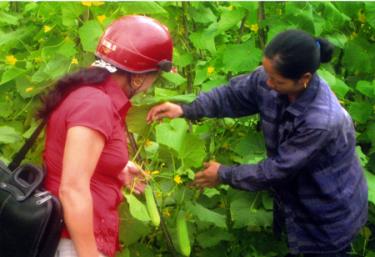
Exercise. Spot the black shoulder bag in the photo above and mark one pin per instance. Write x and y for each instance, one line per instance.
(30, 218)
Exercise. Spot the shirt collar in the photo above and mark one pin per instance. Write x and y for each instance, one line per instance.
(119, 99)
(297, 107)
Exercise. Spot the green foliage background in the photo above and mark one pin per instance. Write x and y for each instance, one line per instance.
(41, 41)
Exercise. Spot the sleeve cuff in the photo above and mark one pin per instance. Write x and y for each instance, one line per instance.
(189, 112)
(225, 174)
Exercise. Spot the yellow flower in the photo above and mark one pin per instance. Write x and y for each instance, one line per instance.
(166, 213)
(10, 59)
(86, 3)
(29, 89)
(47, 28)
(101, 18)
(361, 17)
(254, 28)
(97, 3)
(38, 59)
(74, 61)
(210, 70)
(155, 172)
(148, 142)
(177, 179)
(230, 7)
(92, 3)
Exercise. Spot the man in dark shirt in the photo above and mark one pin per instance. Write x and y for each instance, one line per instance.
(320, 192)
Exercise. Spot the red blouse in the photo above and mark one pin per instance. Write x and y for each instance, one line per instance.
(102, 108)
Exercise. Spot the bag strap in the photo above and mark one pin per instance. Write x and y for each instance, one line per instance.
(20, 155)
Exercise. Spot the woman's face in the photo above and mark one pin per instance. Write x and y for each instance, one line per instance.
(281, 84)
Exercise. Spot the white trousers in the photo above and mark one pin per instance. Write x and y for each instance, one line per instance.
(66, 249)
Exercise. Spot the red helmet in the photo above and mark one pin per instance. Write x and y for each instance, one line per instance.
(136, 44)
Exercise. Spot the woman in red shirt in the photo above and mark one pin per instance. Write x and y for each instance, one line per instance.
(86, 149)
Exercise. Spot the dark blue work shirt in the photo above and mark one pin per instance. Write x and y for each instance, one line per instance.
(320, 192)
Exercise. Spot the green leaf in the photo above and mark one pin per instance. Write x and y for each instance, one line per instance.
(211, 192)
(213, 237)
(203, 15)
(89, 34)
(136, 119)
(174, 78)
(211, 84)
(370, 133)
(11, 74)
(362, 157)
(8, 135)
(6, 18)
(200, 73)
(366, 88)
(338, 39)
(182, 60)
(371, 186)
(370, 13)
(25, 88)
(131, 229)
(250, 148)
(172, 133)
(205, 39)
(142, 8)
(360, 111)
(192, 151)
(5, 109)
(267, 201)
(247, 57)
(334, 17)
(10, 38)
(55, 68)
(230, 18)
(64, 48)
(71, 13)
(358, 55)
(163, 92)
(207, 215)
(338, 86)
(301, 14)
(137, 209)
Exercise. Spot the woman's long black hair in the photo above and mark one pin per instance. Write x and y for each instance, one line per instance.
(295, 52)
(91, 76)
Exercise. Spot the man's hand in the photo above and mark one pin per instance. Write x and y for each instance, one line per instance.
(165, 110)
(134, 178)
(208, 177)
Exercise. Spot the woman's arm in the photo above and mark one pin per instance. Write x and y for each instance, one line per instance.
(238, 98)
(83, 148)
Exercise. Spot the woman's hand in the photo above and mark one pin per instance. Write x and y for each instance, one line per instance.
(165, 110)
(134, 178)
(208, 177)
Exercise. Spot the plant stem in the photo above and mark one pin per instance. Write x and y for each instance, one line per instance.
(188, 69)
(261, 18)
(242, 26)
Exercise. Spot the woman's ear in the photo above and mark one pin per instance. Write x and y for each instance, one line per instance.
(137, 80)
(305, 79)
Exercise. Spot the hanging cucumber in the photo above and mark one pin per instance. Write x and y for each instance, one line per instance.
(151, 206)
(183, 234)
